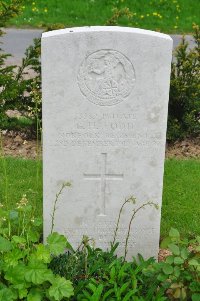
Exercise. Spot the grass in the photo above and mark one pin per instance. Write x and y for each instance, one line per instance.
(181, 194)
(181, 197)
(160, 15)
(18, 177)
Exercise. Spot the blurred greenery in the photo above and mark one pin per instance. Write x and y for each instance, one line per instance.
(160, 15)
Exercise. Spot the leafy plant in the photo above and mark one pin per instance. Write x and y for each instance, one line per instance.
(30, 270)
(100, 275)
(20, 221)
(19, 91)
(108, 277)
(179, 274)
(25, 273)
(184, 98)
(24, 260)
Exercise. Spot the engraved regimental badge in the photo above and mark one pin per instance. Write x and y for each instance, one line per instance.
(106, 77)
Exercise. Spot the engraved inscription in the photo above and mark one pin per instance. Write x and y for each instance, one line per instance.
(103, 231)
(87, 138)
(106, 77)
(103, 177)
(109, 130)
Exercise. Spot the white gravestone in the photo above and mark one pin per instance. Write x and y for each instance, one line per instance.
(105, 100)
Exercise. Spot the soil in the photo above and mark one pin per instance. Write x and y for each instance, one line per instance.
(189, 148)
(19, 144)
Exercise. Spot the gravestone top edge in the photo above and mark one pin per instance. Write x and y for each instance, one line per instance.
(85, 29)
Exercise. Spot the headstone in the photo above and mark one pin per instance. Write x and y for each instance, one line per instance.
(105, 100)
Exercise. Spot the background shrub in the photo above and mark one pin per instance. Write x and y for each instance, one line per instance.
(184, 98)
(19, 90)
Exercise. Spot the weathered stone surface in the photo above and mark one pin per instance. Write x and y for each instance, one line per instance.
(105, 99)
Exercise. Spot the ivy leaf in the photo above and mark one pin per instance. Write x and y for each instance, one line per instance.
(61, 288)
(5, 245)
(37, 272)
(57, 243)
(35, 294)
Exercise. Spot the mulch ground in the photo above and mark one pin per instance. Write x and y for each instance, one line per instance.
(189, 148)
(17, 144)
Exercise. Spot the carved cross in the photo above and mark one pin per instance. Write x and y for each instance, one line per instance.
(103, 177)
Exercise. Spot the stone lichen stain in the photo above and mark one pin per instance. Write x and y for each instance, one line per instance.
(97, 212)
(153, 115)
(153, 162)
(136, 185)
(78, 220)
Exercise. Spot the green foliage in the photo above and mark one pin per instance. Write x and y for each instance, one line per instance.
(180, 273)
(24, 261)
(34, 271)
(184, 99)
(19, 91)
(102, 276)
(24, 268)
(19, 221)
(18, 124)
(98, 275)
(9, 9)
(165, 15)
